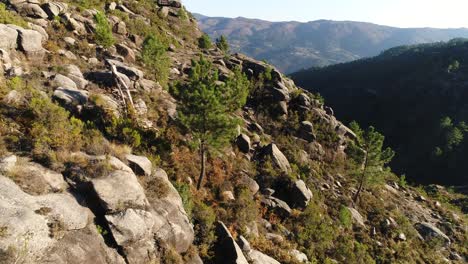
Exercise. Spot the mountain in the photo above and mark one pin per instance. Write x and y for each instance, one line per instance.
(416, 95)
(126, 137)
(293, 46)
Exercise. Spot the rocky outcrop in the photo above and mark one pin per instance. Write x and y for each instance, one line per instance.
(243, 143)
(139, 164)
(306, 131)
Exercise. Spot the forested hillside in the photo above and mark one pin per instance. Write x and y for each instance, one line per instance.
(416, 95)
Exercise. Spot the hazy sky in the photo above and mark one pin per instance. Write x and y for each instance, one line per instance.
(399, 13)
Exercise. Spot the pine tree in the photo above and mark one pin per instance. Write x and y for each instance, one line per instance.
(222, 44)
(207, 106)
(368, 155)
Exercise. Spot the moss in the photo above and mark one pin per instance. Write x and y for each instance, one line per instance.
(103, 35)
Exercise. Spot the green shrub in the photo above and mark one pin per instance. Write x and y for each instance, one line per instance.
(204, 42)
(103, 34)
(154, 56)
(184, 191)
(52, 128)
(124, 130)
(7, 17)
(222, 44)
(345, 217)
(204, 219)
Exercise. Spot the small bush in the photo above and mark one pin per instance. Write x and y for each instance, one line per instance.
(204, 42)
(345, 217)
(7, 17)
(103, 34)
(204, 219)
(154, 56)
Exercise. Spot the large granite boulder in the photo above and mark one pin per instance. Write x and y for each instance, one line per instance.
(243, 143)
(277, 157)
(139, 164)
(54, 9)
(306, 131)
(75, 74)
(30, 42)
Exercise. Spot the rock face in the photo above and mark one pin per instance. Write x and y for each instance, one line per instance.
(277, 157)
(429, 231)
(306, 131)
(227, 251)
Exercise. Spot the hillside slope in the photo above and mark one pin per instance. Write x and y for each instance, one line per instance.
(416, 96)
(103, 122)
(293, 46)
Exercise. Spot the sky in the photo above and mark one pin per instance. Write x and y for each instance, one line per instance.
(398, 13)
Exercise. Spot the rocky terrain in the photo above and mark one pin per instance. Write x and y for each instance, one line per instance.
(292, 46)
(96, 166)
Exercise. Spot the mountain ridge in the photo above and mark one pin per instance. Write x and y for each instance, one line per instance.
(292, 45)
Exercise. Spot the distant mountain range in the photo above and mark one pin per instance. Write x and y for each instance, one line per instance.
(293, 46)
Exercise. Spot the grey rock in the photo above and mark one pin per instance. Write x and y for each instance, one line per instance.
(226, 249)
(120, 190)
(75, 74)
(258, 257)
(140, 107)
(32, 10)
(274, 237)
(111, 6)
(402, 237)
(277, 157)
(72, 24)
(131, 225)
(69, 41)
(133, 73)
(299, 256)
(171, 221)
(306, 131)
(120, 28)
(64, 81)
(250, 183)
(356, 216)
(70, 97)
(139, 164)
(276, 205)
(8, 163)
(8, 37)
(429, 231)
(300, 195)
(54, 9)
(30, 42)
(125, 52)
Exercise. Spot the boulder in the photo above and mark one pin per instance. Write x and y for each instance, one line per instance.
(299, 256)
(243, 143)
(131, 72)
(250, 183)
(300, 195)
(70, 97)
(277, 157)
(276, 205)
(227, 251)
(306, 131)
(258, 257)
(8, 37)
(54, 9)
(279, 94)
(356, 216)
(30, 42)
(75, 74)
(429, 232)
(139, 164)
(63, 81)
(282, 108)
(72, 24)
(8, 163)
(32, 10)
(119, 190)
(131, 225)
(120, 28)
(140, 107)
(126, 52)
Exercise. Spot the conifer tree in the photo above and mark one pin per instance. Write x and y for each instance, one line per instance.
(206, 108)
(368, 155)
(222, 44)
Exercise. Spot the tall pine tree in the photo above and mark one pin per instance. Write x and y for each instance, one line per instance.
(206, 108)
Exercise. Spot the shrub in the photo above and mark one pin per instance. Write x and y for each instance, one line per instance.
(345, 217)
(103, 34)
(52, 129)
(204, 42)
(185, 194)
(124, 130)
(204, 218)
(7, 17)
(154, 56)
(222, 44)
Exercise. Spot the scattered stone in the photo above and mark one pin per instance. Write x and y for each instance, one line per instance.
(74, 73)
(71, 97)
(140, 107)
(120, 28)
(32, 10)
(402, 237)
(280, 207)
(131, 72)
(299, 256)
(126, 52)
(420, 198)
(250, 183)
(54, 9)
(69, 41)
(274, 237)
(306, 131)
(227, 196)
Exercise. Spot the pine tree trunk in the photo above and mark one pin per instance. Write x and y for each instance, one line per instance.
(361, 180)
(202, 163)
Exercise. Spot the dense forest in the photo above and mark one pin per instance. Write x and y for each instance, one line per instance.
(416, 95)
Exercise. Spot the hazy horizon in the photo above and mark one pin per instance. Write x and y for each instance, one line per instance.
(430, 13)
